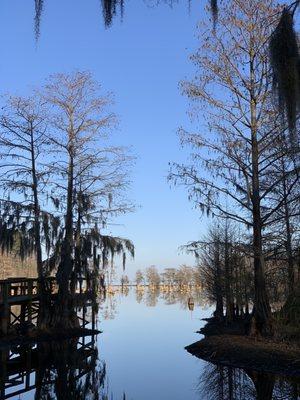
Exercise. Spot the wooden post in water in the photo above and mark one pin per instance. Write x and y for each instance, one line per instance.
(83, 315)
(23, 315)
(28, 367)
(93, 318)
(3, 372)
(5, 314)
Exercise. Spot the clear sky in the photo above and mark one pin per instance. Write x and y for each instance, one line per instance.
(141, 61)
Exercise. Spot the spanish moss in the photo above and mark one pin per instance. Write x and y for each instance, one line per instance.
(110, 8)
(39, 5)
(214, 11)
(284, 56)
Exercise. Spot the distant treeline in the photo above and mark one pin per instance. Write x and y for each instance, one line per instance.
(181, 277)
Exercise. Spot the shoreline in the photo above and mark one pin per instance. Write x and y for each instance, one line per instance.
(264, 356)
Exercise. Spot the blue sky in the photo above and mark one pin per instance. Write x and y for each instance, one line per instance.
(141, 61)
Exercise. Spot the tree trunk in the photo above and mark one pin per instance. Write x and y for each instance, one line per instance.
(218, 283)
(63, 314)
(262, 316)
(37, 228)
(77, 270)
(288, 233)
(42, 289)
(66, 263)
(291, 308)
(228, 277)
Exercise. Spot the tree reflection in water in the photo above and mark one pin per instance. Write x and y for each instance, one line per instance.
(151, 296)
(71, 369)
(227, 383)
(109, 308)
(57, 370)
(139, 295)
(76, 375)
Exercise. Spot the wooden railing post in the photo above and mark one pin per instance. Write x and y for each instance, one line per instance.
(30, 293)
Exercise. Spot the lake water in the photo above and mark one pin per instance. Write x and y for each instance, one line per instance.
(140, 356)
(144, 348)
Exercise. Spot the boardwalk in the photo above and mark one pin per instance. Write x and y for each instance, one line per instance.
(20, 298)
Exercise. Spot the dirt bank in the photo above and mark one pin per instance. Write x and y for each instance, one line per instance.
(248, 353)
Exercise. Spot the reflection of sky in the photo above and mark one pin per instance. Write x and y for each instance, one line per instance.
(144, 350)
(141, 61)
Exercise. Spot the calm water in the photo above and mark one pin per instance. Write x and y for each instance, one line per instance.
(140, 356)
(144, 348)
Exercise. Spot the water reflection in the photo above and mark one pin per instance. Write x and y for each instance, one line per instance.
(139, 356)
(67, 369)
(227, 383)
(187, 299)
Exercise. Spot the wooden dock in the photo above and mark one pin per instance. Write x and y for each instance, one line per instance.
(20, 298)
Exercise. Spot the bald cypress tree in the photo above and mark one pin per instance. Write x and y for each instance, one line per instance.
(89, 179)
(25, 173)
(236, 150)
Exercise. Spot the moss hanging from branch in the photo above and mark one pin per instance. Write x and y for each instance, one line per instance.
(112, 245)
(214, 11)
(285, 61)
(110, 8)
(39, 5)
